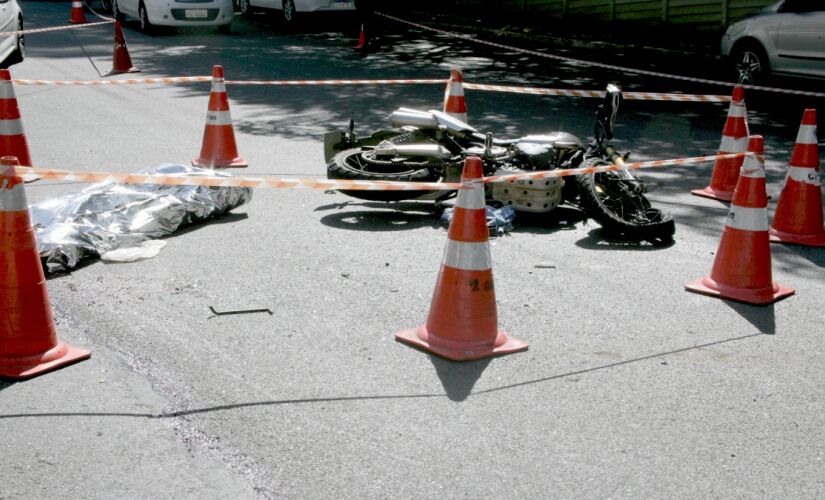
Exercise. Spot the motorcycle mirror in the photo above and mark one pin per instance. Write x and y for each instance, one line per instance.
(606, 113)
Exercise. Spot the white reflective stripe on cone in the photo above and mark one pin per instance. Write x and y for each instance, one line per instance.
(468, 256)
(14, 199)
(806, 175)
(456, 90)
(6, 90)
(218, 85)
(747, 219)
(806, 135)
(752, 168)
(218, 118)
(737, 111)
(733, 145)
(472, 198)
(11, 127)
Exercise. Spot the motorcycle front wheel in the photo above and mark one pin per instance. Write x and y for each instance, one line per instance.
(616, 200)
(361, 164)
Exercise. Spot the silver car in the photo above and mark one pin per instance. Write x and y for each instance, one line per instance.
(787, 37)
(12, 47)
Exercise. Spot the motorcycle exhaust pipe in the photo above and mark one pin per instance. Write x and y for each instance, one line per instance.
(409, 150)
(404, 116)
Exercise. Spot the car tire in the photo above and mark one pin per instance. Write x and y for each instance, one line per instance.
(750, 63)
(143, 16)
(244, 8)
(116, 13)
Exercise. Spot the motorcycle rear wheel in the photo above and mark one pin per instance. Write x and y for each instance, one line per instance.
(358, 164)
(618, 203)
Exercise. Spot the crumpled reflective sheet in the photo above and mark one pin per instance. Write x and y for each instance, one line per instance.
(109, 215)
(499, 220)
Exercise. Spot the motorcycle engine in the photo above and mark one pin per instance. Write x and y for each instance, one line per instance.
(533, 195)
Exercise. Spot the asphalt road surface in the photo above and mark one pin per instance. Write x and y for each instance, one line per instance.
(632, 387)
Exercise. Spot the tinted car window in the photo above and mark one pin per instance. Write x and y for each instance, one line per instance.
(800, 6)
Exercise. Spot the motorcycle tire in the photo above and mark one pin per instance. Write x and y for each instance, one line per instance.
(352, 164)
(621, 208)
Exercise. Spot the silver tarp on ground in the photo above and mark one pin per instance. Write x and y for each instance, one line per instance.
(110, 216)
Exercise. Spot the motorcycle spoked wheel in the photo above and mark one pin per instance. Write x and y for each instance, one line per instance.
(361, 164)
(617, 203)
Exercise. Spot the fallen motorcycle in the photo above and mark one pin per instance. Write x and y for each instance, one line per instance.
(430, 146)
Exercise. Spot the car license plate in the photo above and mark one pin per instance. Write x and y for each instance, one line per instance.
(195, 13)
(342, 4)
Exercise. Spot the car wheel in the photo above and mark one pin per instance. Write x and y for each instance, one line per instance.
(244, 7)
(20, 50)
(289, 11)
(116, 13)
(750, 61)
(145, 25)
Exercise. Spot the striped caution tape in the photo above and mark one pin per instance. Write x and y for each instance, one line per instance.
(594, 64)
(135, 81)
(643, 96)
(33, 173)
(546, 174)
(650, 96)
(55, 28)
(200, 79)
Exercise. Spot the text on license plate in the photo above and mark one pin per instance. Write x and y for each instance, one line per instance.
(195, 13)
(342, 4)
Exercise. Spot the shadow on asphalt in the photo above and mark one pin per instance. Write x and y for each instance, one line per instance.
(762, 317)
(459, 390)
(5, 385)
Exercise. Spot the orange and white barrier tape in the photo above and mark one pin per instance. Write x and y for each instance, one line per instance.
(201, 79)
(546, 174)
(55, 28)
(648, 96)
(472, 38)
(643, 96)
(34, 173)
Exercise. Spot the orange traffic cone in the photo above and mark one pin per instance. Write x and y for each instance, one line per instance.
(121, 62)
(78, 16)
(362, 39)
(742, 267)
(454, 103)
(12, 139)
(462, 324)
(28, 341)
(734, 140)
(798, 216)
(219, 149)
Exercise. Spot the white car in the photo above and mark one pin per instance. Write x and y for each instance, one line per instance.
(290, 9)
(12, 47)
(152, 13)
(787, 37)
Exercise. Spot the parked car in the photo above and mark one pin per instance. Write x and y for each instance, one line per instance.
(293, 9)
(12, 48)
(153, 13)
(787, 37)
